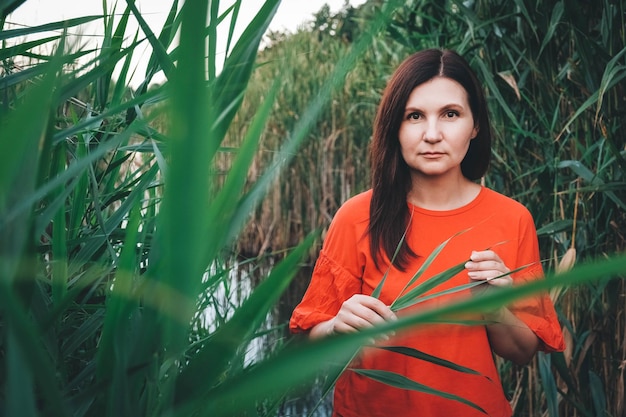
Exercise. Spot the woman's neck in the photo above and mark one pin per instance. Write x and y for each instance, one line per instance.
(440, 194)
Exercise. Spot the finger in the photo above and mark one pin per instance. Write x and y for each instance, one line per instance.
(487, 274)
(358, 313)
(484, 255)
(505, 281)
(340, 326)
(380, 308)
(486, 265)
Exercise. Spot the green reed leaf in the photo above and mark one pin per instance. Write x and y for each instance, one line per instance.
(20, 393)
(409, 298)
(225, 226)
(379, 287)
(549, 384)
(32, 358)
(597, 394)
(585, 173)
(414, 353)
(206, 367)
(23, 47)
(63, 24)
(425, 286)
(59, 235)
(158, 49)
(555, 19)
(400, 381)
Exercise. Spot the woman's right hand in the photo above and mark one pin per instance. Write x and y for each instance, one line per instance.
(358, 312)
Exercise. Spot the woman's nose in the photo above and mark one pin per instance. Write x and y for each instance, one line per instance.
(432, 132)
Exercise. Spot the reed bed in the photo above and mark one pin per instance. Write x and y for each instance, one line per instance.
(127, 215)
(554, 76)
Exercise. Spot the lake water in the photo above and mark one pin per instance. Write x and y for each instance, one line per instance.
(231, 292)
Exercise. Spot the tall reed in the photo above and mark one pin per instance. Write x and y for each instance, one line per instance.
(120, 209)
(554, 75)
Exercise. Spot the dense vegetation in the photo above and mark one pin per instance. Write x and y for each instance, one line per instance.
(127, 215)
(554, 74)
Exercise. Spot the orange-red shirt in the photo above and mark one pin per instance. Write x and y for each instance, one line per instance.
(345, 267)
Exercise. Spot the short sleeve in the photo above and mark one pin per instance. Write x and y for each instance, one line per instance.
(537, 311)
(330, 285)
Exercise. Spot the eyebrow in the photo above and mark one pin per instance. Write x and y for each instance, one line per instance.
(453, 105)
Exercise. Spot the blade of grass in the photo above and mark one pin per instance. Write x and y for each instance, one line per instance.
(549, 384)
(205, 369)
(20, 49)
(379, 287)
(410, 299)
(158, 49)
(219, 216)
(112, 361)
(555, 19)
(414, 353)
(36, 360)
(400, 381)
(111, 43)
(429, 260)
(63, 24)
(59, 235)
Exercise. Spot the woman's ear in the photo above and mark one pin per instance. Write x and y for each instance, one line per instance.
(475, 131)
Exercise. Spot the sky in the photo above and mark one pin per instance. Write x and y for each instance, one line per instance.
(291, 14)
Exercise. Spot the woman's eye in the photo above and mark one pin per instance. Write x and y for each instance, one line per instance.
(451, 114)
(413, 116)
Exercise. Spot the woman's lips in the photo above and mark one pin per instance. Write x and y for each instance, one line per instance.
(432, 155)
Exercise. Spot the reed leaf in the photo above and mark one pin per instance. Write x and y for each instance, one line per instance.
(121, 304)
(23, 47)
(93, 243)
(32, 362)
(555, 19)
(597, 394)
(82, 82)
(158, 49)
(205, 369)
(225, 205)
(409, 297)
(593, 179)
(379, 287)
(166, 37)
(111, 43)
(400, 381)
(60, 25)
(59, 237)
(414, 353)
(93, 120)
(229, 86)
(613, 74)
(19, 401)
(549, 384)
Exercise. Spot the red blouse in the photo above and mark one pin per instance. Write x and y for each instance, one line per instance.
(345, 268)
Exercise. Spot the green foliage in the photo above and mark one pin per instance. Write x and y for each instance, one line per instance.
(120, 207)
(554, 74)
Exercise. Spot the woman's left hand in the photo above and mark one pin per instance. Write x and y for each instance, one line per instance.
(487, 266)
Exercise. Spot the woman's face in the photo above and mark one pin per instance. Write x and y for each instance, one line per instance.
(437, 128)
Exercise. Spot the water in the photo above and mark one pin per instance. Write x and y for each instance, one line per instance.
(228, 293)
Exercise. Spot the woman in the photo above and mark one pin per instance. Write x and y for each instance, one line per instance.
(431, 144)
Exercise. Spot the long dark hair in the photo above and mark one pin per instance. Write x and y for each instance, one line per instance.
(391, 181)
